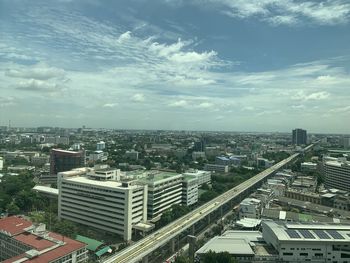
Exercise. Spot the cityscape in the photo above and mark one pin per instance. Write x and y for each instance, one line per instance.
(197, 131)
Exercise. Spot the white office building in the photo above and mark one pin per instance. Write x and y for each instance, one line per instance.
(337, 174)
(203, 177)
(308, 242)
(189, 190)
(98, 199)
(1, 163)
(164, 190)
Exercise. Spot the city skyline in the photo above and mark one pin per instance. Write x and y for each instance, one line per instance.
(176, 65)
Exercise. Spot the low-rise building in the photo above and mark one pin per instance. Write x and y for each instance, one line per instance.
(308, 166)
(132, 155)
(197, 155)
(243, 246)
(216, 168)
(97, 155)
(250, 208)
(22, 241)
(316, 242)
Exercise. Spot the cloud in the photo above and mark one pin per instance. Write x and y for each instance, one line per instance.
(205, 105)
(138, 97)
(124, 37)
(321, 95)
(179, 103)
(110, 105)
(285, 12)
(37, 85)
(340, 109)
(36, 72)
(6, 101)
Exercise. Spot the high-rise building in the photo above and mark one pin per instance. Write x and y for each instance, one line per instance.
(62, 161)
(337, 174)
(164, 190)
(98, 198)
(299, 137)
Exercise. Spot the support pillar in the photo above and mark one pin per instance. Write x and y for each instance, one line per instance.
(172, 245)
(145, 259)
(208, 219)
(193, 230)
(192, 246)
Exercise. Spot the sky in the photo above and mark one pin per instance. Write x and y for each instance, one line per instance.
(232, 65)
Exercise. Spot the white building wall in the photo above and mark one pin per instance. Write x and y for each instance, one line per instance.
(112, 209)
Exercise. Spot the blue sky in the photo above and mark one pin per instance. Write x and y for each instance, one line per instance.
(235, 65)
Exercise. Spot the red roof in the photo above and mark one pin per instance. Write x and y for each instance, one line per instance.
(14, 225)
(34, 241)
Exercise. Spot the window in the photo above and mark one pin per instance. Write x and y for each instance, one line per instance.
(287, 254)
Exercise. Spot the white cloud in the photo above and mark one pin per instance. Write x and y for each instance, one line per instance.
(110, 105)
(205, 105)
(320, 95)
(6, 101)
(138, 97)
(340, 109)
(179, 103)
(289, 12)
(124, 37)
(36, 72)
(37, 85)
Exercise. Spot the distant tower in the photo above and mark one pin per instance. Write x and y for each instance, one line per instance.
(9, 124)
(299, 137)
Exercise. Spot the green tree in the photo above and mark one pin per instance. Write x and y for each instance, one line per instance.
(12, 209)
(222, 257)
(182, 259)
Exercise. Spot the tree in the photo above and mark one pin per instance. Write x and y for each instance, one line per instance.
(12, 209)
(222, 257)
(182, 259)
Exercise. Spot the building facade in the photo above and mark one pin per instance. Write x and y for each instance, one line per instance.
(299, 137)
(337, 174)
(62, 161)
(98, 199)
(308, 242)
(189, 190)
(203, 177)
(164, 190)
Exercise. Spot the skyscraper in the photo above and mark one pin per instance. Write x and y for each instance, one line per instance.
(299, 136)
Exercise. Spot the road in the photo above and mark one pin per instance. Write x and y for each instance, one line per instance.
(150, 243)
